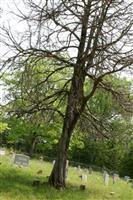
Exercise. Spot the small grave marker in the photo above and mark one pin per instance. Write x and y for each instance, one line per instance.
(127, 178)
(115, 178)
(21, 160)
(53, 162)
(41, 158)
(83, 181)
(2, 152)
(84, 178)
(90, 170)
(106, 178)
(79, 169)
(86, 170)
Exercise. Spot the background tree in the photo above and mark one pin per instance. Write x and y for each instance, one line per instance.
(94, 38)
(127, 162)
(103, 133)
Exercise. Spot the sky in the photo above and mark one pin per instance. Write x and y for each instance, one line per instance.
(5, 18)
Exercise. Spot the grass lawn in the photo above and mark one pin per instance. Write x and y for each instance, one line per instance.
(16, 184)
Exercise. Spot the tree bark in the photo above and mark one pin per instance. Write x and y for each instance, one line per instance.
(33, 144)
(74, 108)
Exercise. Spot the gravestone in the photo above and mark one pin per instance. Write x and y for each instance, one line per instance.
(2, 152)
(83, 178)
(85, 170)
(127, 178)
(53, 162)
(83, 181)
(79, 169)
(106, 178)
(115, 178)
(90, 170)
(75, 168)
(21, 160)
(41, 158)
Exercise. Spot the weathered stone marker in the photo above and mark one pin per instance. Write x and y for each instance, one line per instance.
(83, 181)
(106, 178)
(127, 178)
(53, 162)
(115, 178)
(2, 152)
(90, 170)
(79, 169)
(21, 160)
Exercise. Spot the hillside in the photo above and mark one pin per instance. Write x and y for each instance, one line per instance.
(16, 184)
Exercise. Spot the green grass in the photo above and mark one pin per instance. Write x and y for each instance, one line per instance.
(16, 184)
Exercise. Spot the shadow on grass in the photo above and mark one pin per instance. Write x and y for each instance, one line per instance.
(16, 183)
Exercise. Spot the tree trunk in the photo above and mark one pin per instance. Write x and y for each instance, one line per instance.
(33, 145)
(74, 108)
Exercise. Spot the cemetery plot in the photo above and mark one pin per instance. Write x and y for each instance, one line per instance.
(21, 160)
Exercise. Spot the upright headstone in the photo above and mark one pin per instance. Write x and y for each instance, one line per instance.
(79, 169)
(106, 178)
(115, 178)
(75, 168)
(53, 162)
(84, 178)
(85, 170)
(2, 152)
(90, 170)
(21, 160)
(127, 178)
(41, 158)
(83, 181)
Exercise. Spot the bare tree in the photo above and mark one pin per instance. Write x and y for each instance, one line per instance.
(92, 37)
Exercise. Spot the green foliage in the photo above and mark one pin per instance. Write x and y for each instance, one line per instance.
(126, 167)
(37, 88)
(104, 130)
(3, 127)
(32, 135)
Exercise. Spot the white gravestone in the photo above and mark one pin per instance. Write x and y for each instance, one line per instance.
(41, 158)
(2, 152)
(90, 170)
(86, 170)
(127, 178)
(79, 169)
(53, 162)
(21, 160)
(106, 178)
(115, 178)
(84, 179)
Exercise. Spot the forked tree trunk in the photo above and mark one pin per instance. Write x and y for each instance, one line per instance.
(74, 108)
